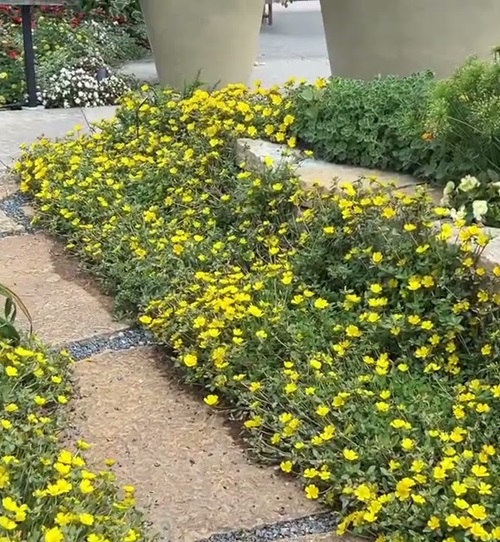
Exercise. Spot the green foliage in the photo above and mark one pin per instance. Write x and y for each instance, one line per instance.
(63, 42)
(126, 12)
(374, 124)
(358, 343)
(437, 130)
(11, 68)
(8, 330)
(465, 117)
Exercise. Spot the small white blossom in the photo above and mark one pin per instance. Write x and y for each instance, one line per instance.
(468, 183)
(479, 209)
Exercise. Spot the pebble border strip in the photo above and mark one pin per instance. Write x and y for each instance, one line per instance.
(12, 206)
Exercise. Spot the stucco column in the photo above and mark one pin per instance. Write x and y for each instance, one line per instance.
(370, 37)
(215, 39)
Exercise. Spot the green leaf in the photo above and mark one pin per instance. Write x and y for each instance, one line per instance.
(12, 302)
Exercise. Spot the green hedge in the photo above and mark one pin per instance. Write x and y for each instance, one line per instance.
(437, 130)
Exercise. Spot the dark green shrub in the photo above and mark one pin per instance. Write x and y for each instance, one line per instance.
(375, 123)
(465, 117)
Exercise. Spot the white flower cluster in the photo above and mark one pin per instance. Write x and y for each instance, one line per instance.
(79, 86)
(479, 207)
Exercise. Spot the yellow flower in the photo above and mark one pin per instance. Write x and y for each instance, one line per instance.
(312, 491)
(145, 319)
(434, 524)
(255, 311)
(418, 499)
(321, 303)
(62, 469)
(59, 488)
(254, 422)
(7, 524)
(478, 511)
(377, 257)
(414, 283)
(480, 471)
(65, 456)
(86, 519)
(310, 473)
(286, 466)
(83, 445)
(404, 487)
(458, 488)
(478, 531)
(86, 487)
(484, 489)
(382, 406)
(63, 518)
(211, 400)
(398, 423)
(54, 535)
(131, 536)
(452, 520)
(461, 503)
(11, 371)
(322, 410)
(486, 350)
(190, 360)
(408, 444)
(350, 455)
(353, 331)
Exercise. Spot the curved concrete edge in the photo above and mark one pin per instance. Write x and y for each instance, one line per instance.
(325, 175)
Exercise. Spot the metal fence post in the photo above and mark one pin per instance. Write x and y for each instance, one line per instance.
(29, 55)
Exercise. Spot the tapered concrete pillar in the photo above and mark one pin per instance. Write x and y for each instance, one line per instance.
(216, 40)
(398, 37)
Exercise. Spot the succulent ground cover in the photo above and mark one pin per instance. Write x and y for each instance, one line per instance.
(357, 343)
(48, 490)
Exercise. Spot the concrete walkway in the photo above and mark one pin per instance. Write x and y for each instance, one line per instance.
(294, 46)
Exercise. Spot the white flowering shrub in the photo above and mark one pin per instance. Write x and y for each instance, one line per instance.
(79, 85)
(475, 199)
(114, 44)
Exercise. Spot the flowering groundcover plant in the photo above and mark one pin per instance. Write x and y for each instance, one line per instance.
(439, 131)
(70, 51)
(48, 492)
(358, 344)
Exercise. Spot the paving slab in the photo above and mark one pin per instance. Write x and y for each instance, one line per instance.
(8, 226)
(27, 126)
(190, 474)
(64, 303)
(311, 171)
(8, 183)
